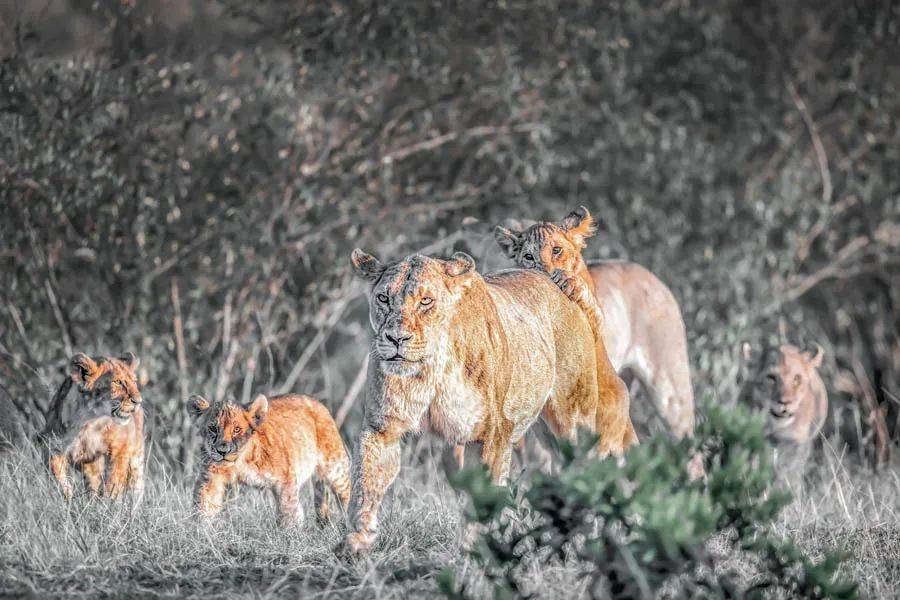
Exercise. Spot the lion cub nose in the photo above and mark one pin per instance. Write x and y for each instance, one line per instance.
(397, 338)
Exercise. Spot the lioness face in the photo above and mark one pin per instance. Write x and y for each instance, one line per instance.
(111, 381)
(411, 304)
(548, 246)
(226, 427)
(791, 380)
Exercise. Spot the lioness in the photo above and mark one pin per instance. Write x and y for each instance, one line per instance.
(475, 359)
(276, 443)
(642, 325)
(103, 437)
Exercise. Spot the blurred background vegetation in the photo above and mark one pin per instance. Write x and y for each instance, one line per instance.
(186, 180)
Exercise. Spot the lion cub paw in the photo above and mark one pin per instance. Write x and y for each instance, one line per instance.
(568, 285)
(357, 543)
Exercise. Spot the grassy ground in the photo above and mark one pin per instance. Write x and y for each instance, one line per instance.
(91, 548)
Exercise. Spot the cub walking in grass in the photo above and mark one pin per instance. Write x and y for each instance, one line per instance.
(276, 443)
(102, 433)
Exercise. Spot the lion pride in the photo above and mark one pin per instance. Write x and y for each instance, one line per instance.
(476, 359)
(277, 443)
(103, 435)
(642, 325)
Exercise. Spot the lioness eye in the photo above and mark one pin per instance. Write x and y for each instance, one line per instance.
(382, 298)
(556, 250)
(426, 301)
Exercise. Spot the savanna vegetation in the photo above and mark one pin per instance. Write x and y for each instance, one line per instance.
(187, 180)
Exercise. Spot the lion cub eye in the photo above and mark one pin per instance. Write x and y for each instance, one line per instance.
(797, 380)
(557, 250)
(426, 301)
(238, 431)
(529, 257)
(382, 298)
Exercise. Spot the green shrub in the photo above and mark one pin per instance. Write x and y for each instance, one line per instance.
(638, 528)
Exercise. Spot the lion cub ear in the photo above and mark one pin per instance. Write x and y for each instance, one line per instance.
(366, 265)
(131, 360)
(198, 405)
(510, 241)
(579, 225)
(83, 368)
(258, 411)
(816, 361)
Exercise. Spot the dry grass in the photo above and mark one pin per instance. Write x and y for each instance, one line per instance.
(92, 548)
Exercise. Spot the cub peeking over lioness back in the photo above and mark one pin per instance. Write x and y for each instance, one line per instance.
(276, 443)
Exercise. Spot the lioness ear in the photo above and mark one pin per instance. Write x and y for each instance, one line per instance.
(258, 411)
(459, 264)
(579, 225)
(509, 240)
(197, 404)
(83, 367)
(130, 360)
(816, 361)
(366, 265)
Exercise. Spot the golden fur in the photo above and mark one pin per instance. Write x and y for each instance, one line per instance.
(799, 402)
(103, 436)
(476, 360)
(277, 443)
(642, 326)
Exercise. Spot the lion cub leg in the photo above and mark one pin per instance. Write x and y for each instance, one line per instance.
(136, 477)
(93, 474)
(290, 508)
(209, 494)
(59, 465)
(117, 479)
(334, 473)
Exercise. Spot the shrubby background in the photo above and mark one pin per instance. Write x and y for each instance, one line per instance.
(187, 179)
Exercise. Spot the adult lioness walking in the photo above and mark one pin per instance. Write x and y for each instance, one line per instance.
(475, 359)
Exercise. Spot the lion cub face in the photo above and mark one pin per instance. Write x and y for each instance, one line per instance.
(109, 382)
(226, 427)
(793, 380)
(548, 246)
(410, 304)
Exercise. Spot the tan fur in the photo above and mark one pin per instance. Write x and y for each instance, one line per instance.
(799, 404)
(277, 443)
(641, 321)
(104, 436)
(473, 359)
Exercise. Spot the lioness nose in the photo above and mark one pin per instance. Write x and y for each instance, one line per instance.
(397, 338)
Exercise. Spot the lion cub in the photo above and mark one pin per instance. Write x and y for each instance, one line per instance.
(276, 443)
(103, 436)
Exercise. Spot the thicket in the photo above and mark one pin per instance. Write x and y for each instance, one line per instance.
(643, 530)
(187, 181)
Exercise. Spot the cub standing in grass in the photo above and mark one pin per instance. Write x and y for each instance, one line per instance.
(276, 443)
(102, 436)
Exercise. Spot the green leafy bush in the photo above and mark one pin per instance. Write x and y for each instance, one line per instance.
(636, 529)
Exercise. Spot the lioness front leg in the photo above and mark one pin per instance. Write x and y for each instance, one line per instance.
(375, 467)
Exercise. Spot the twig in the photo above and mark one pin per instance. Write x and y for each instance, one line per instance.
(57, 313)
(818, 146)
(314, 345)
(178, 330)
(355, 388)
(435, 142)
